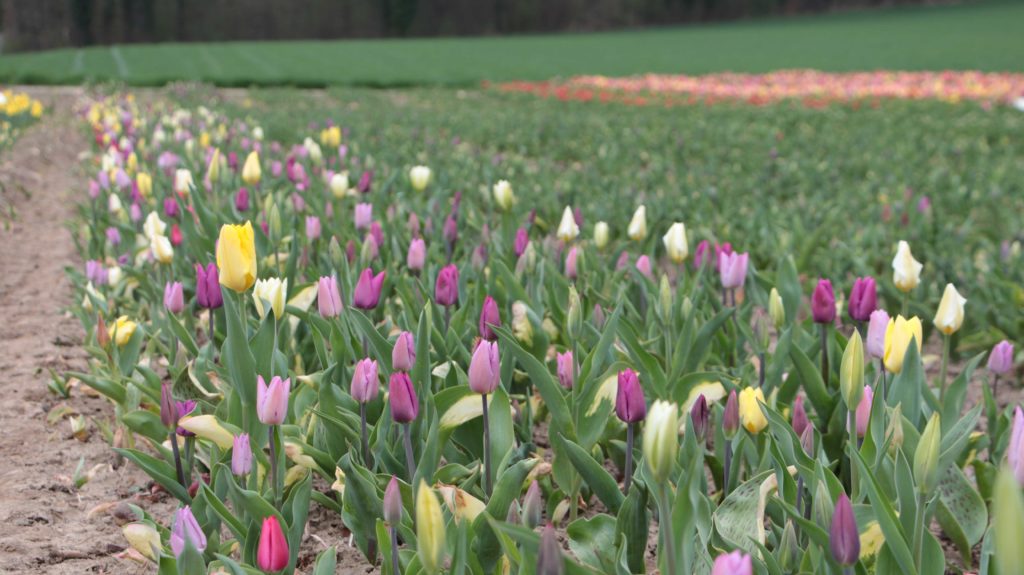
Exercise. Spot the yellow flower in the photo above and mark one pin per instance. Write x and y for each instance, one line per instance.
(661, 439)
(601, 234)
(236, 256)
(906, 271)
(251, 172)
(213, 170)
(503, 195)
(124, 328)
(567, 228)
(419, 176)
(429, 529)
(143, 538)
(209, 428)
(751, 416)
(675, 243)
(274, 291)
(637, 230)
(162, 249)
(898, 335)
(950, 315)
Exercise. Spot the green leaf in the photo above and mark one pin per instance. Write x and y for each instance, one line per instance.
(895, 539)
(596, 476)
(961, 511)
(509, 486)
(810, 379)
(736, 518)
(550, 391)
(162, 472)
(632, 524)
(236, 353)
(908, 386)
(146, 423)
(593, 541)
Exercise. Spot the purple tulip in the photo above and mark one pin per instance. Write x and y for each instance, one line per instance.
(328, 298)
(823, 302)
(623, 261)
(377, 233)
(186, 528)
(174, 297)
(365, 182)
(242, 200)
(522, 240)
(732, 267)
(121, 179)
(312, 228)
(863, 413)
(643, 264)
(699, 415)
(731, 415)
(450, 231)
(800, 421)
(863, 299)
(393, 503)
(208, 293)
(549, 554)
(403, 355)
(402, 397)
(184, 408)
(113, 236)
(490, 317)
(875, 341)
(363, 216)
(168, 407)
(368, 288)
(735, 563)
(566, 369)
(1000, 360)
(241, 455)
(94, 189)
(446, 288)
(844, 538)
(413, 225)
(135, 212)
(276, 168)
(364, 381)
(923, 205)
(417, 256)
(700, 255)
(96, 273)
(272, 400)
(571, 259)
(630, 405)
(485, 368)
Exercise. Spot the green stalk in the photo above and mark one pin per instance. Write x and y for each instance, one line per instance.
(487, 450)
(919, 529)
(852, 425)
(177, 456)
(824, 354)
(665, 528)
(946, 340)
(628, 472)
(410, 461)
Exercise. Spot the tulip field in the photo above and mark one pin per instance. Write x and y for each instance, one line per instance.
(494, 333)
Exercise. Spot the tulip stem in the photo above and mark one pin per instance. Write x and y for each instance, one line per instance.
(852, 425)
(995, 391)
(487, 449)
(395, 567)
(665, 528)
(628, 473)
(946, 341)
(919, 528)
(273, 464)
(799, 500)
(410, 462)
(824, 354)
(726, 468)
(177, 456)
(365, 440)
(906, 304)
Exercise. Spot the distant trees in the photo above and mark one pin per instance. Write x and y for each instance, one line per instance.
(41, 24)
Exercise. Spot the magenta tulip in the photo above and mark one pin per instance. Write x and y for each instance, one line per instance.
(844, 538)
(405, 406)
(403, 355)
(446, 289)
(630, 405)
(863, 299)
(208, 294)
(490, 317)
(823, 303)
(367, 292)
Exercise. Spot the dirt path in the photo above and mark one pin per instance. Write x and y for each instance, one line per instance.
(45, 525)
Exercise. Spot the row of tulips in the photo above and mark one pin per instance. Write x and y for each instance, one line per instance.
(517, 364)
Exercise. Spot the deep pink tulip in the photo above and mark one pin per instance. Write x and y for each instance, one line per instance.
(823, 302)
(272, 553)
(490, 317)
(367, 292)
(446, 289)
(522, 240)
(242, 200)
(405, 406)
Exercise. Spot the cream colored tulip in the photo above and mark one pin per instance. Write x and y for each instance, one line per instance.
(419, 176)
(503, 195)
(567, 228)
(950, 315)
(251, 172)
(637, 230)
(601, 234)
(675, 243)
(272, 290)
(183, 182)
(906, 271)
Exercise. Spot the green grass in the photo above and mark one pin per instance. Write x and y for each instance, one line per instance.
(977, 35)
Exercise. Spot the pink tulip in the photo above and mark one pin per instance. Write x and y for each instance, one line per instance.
(735, 563)
(186, 528)
(272, 553)
(1015, 450)
(364, 216)
(365, 386)
(241, 455)
(643, 264)
(484, 368)
(490, 317)
(446, 289)
(272, 400)
(823, 302)
(402, 398)
(417, 256)
(875, 341)
(367, 292)
(1000, 360)
(328, 298)
(570, 263)
(403, 355)
(174, 297)
(733, 269)
(312, 228)
(566, 369)
(863, 414)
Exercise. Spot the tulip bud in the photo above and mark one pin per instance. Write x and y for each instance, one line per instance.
(446, 288)
(328, 298)
(851, 372)
(143, 538)
(484, 368)
(776, 309)
(699, 414)
(894, 432)
(186, 528)
(1000, 360)
(549, 554)
(823, 302)
(430, 530)
(661, 439)
(844, 538)
(273, 291)
(950, 315)
(168, 408)
(566, 369)
(339, 185)
(731, 416)
(419, 177)
(521, 241)
(417, 255)
(364, 387)
(272, 552)
(403, 355)
(807, 440)
(601, 234)
(597, 316)
(665, 298)
(241, 455)
(732, 267)
(366, 294)
(102, 335)
(251, 172)
(630, 406)
(637, 229)
(789, 549)
(533, 506)
(313, 228)
(572, 263)
(863, 299)
(1015, 449)
(242, 200)
(522, 328)
(675, 243)
(877, 325)
(926, 457)
(405, 406)
(751, 416)
(490, 317)
(735, 563)
(1008, 523)
(863, 412)
(899, 334)
(272, 400)
(799, 419)
(450, 231)
(906, 270)
(363, 216)
(393, 503)
(567, 228)
(574, 316)
(236, 257)
(503, 195)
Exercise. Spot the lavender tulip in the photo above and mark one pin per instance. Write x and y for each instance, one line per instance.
(241, 455)
(403, 355)
(186, 528)
(566, 369)
(272, 400)
(328, 298)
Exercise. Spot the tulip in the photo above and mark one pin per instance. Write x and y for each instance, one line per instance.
(328, 298)
(171, 208)
(533, 506)
(186, 528)
(503, 195)
(339, 185)
(863, 299)
(207, 427)
(403, 355)
(251, 171)
(899, 334)
(241, 455)
(521, 241)
(183, 182)
(419, 177)
(926, 456)
(863, 412)
(364, 381)
(144, 182)
(565, 368)
(823, 303)
(629, 398)
(699, 414)
(1000, 359)
(430, 529)
(735, 563)
(273, 291)
(313, 228)
(571, 262)
(174, 297)
(176, 238)
(776, 309)
(637, 229)
(731, 415)
(272, 553)
(877, 326)
(363, 216)
(1015, 449)
(732, 269)
(906, 270)
(161, 249)
(272, 400)
(567, 228)
(213, 167)
(143, 538)
(365, 182)
(484, 368)
(851, 371)
(844, 538)
(367, 291)
(236, 257)
(393, 503)
(643, 265)
(402, 397)
(950, 315)
(675, 243)
(800, 421)
(549, 553)
(490, 318)
(124, 329)
(661, 441)
(522, 328)
(751, 416)
(96, 273)
(417, 255)
(446, 289)
(168, 407)
(450, 233)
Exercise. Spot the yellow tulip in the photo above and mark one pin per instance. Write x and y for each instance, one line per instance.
(675, 243)
(124, 328)
(143, 538)
(236, 256)
(251, 170)
(209, 428)
(906, 271)
(213, 170)
(950, 315)
(898, 335)
(272, 290)
(601, 233)
(419, 176)
(637, 230)
(429, 529)
(503, 195)
(751, 416)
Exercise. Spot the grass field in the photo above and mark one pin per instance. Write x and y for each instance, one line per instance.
(982, 36)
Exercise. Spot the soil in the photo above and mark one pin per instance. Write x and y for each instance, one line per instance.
(47, 524)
